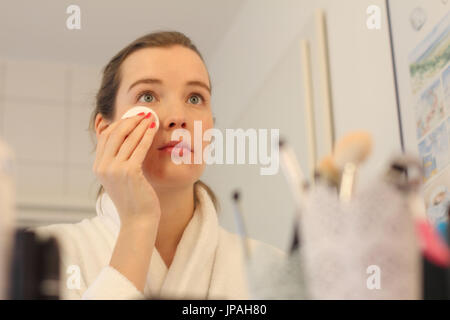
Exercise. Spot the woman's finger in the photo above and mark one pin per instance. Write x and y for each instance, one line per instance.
(133, 140)
(139, 153)
(118, 135)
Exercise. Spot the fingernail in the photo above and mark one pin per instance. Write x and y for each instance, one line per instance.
(152, 125)
(148, 115)
(141, 113)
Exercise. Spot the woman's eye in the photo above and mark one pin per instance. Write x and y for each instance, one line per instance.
(195, 99)
(146, 97)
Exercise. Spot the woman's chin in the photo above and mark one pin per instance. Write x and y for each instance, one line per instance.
(176, 175)
(162, 171)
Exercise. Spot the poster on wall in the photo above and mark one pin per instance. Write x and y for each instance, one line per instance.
(421, 50)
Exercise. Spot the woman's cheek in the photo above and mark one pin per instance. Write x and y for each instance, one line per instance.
(205, 142)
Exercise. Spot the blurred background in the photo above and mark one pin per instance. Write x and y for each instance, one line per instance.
(49, 76)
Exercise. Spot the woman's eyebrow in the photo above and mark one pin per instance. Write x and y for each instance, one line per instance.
(158, 81)
(146, 80)
(199, 83)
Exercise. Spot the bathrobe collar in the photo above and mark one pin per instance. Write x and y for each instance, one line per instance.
(192, 267)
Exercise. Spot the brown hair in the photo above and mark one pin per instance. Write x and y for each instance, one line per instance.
(106, 96)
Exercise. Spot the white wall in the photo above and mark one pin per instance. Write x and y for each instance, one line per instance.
(45, 109)
(259, 86)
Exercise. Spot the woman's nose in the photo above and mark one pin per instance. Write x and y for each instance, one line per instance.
(175, 120)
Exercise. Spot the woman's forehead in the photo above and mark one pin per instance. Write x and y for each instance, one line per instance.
(173, 63)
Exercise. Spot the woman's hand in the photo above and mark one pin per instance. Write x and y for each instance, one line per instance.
(121, 149)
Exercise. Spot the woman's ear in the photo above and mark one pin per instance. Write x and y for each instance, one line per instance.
(100, 124)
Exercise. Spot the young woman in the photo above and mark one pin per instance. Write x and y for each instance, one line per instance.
(156, 233)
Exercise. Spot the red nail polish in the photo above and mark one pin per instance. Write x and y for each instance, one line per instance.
(141, 113)
(152, 125)
(148, 115)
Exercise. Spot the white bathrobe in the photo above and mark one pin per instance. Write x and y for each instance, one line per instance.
(208, 262)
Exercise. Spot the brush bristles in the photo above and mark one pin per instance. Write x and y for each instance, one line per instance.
(326, 169)
(354, 147)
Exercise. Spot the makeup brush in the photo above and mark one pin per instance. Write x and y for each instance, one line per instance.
(298, 185)
(240, 223)
(349, 153)
(293, 173)
(448, 241)
(406, 173)
(326, 172)
(282, 277)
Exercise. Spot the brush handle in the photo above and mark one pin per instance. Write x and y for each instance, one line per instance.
(325, 78)
(309, 108)
(293, 174)
(347, 182)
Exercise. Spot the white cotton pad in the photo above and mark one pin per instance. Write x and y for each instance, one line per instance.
(135, 110)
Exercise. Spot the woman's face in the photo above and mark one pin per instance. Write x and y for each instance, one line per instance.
(173, 82)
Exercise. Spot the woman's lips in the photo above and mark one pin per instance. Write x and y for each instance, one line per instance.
(181, 149)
